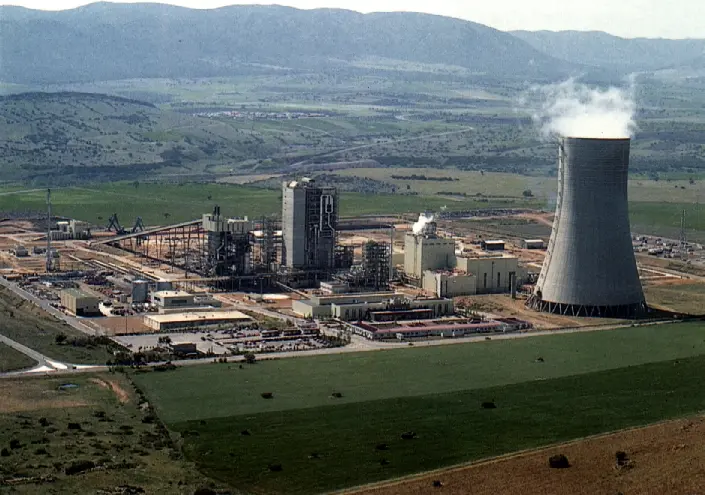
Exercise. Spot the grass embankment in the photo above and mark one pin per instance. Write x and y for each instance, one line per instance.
(27, 324)
(12, 360)
(96, 424)
(584, 383)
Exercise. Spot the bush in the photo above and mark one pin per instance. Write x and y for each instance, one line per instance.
(437, 484)
(77, 467)
(382, 446)
(4, 452)
(43, 421)
(267, 395)
(74, 426)
(275, 467)
(489, 405)
(408, 435)
(558, 461)
(204, 491)
(15, 444)
(337, 395)
(60, 338)
(250, 357)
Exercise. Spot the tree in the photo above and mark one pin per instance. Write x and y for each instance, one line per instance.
(250, 357)
(60, 338)
(527, 193)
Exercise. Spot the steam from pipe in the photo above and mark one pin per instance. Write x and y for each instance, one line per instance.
(420, 224)
(572, 109)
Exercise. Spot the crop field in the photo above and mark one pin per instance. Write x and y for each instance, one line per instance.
(11, 360)
(27, 324)
(236, 436)
(85, 434)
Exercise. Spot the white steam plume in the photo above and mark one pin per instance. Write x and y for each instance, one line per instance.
(418, 227)
(572, 109)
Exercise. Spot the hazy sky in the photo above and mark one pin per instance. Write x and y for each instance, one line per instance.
(628, 18)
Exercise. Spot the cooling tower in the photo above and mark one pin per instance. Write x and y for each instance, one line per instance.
(590, 269)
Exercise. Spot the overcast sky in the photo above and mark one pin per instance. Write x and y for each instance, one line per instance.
(628, 18)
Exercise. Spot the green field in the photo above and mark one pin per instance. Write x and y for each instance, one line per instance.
(189, 201)
(23, 322)
(586, 383)
(11, 360)
(451, 428)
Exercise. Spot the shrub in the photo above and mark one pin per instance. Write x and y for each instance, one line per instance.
(77, 467)
(437, 484)
(337, 395)
(408, 435)
(74, 426)
(267, 395)
(15, 444)
(250, 357)
(245, 433)
(60, 338)
(489, 405)
(44, 422)
(275, 467)
(558, 461)
(204, 491)
(382, 446)
(4, 452)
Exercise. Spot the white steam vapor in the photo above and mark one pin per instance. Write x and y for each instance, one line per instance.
(572, 109)
(420, 224)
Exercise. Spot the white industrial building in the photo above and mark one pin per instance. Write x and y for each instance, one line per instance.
(373, 306)
(493, 273)
(449, 284)
(427, 252)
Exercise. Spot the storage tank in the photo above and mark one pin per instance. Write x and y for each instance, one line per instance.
(140, 291)
(590, 268)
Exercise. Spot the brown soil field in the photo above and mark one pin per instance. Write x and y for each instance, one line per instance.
(33, 395)
(120, 325)
(667, 458)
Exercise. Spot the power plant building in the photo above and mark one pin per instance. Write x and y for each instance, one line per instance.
(590, 269)
(449, 284)
(228, 244)
(495, 274)
(309, 225)
(425, 251)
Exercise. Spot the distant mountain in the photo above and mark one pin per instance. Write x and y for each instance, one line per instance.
(599, 49)
(106, 41)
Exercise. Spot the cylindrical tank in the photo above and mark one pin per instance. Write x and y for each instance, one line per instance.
(140, 291)
(590, 269)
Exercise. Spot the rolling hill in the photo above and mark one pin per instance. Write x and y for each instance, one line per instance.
(599, 49)
(68, 137)
(120, 41)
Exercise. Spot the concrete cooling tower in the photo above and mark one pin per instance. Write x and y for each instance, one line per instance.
(590, 269)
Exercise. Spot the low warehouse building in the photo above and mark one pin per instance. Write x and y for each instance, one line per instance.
(449, 284)
(493, 245)
(80, 303)
(532, 244)
(164, 322)
(494, 273)
(170, 299)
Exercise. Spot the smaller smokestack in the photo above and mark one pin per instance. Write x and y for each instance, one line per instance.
(422, 225)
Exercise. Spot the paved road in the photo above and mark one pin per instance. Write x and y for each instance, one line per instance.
(46, 306)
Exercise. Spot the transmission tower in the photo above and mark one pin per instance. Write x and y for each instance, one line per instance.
(50, 259)
(683, 239)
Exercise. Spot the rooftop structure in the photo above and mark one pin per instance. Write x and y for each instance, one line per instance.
(427, 252)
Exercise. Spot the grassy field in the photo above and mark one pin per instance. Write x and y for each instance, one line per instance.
(187, 202)
(325, 448)
(689, 299)
(201, 392)
(11, 360)
(23, 322)
(47, 428)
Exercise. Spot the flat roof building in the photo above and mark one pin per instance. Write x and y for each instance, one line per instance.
(164, 322)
